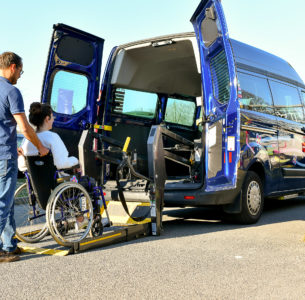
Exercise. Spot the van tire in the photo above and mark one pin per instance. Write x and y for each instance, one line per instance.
(252, 200)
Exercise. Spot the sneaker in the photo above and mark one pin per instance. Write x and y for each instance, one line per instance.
(8, 257)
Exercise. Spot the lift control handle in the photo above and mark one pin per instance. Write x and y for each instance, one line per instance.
(127, 141)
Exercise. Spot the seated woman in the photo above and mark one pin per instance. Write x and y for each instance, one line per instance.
(41, 116)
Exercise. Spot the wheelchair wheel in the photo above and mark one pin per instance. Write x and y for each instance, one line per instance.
(69, 213)
(30, 220)
(97, 227)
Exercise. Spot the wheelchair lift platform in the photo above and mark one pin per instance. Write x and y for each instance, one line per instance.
(123, 229)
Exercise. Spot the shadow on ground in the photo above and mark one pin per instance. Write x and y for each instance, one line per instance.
(183, 222)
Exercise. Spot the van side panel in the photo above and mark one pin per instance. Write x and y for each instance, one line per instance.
(259, 145)
(289, 109)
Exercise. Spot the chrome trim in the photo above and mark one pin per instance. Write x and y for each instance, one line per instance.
(291, 177)
(260, 129)
(284, 191)
(293, 172)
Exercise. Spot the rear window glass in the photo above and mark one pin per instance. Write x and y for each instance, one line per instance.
(75, 50)
(287, 103)
(135, 103)
(180, 112)
(220, 77)
(69, 92)
(254, 93)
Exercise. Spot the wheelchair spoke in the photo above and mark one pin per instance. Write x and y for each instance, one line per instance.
(30, 219)
(70, 213)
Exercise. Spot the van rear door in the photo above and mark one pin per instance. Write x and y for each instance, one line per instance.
(71, 81)
(221, 107)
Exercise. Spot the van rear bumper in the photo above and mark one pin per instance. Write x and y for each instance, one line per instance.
(176, 198)
(202, 198)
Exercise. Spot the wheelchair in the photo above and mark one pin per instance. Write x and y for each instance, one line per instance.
(68, 207)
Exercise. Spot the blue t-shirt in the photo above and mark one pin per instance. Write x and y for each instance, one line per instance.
(11, 102)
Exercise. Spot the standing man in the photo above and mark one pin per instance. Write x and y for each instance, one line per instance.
(11, 114)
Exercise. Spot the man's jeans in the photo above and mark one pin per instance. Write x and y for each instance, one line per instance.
(8, 181)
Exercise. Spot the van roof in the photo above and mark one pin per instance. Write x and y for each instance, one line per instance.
(246, 57)
(253, 59)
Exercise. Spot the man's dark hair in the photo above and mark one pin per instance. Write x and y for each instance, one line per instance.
(9, 58)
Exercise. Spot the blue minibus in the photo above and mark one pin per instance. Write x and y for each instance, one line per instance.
(238, 110)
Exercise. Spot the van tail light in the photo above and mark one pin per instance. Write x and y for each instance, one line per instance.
(189, 197)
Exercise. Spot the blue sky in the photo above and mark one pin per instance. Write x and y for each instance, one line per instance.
(276, 26)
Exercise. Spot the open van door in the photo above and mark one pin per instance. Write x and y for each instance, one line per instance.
(220, 103)
(71, 81)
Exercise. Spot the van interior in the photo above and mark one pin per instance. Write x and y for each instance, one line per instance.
(157, 82)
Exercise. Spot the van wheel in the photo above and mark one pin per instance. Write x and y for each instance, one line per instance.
(252, 199)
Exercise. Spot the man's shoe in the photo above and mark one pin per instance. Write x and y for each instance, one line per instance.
(17, 251)
(6, 257)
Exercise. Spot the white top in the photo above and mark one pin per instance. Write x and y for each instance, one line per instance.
(52, 141)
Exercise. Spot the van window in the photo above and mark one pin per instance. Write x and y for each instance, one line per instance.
(180, 112)
(69, 92)
(287, 102)
(254, 93)
(220, 77)
(75, 50)
(303, 95)
(135, 103)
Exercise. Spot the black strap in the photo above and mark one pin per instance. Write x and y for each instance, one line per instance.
(122, 198)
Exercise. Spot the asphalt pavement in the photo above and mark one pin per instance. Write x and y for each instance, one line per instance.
(197, 257)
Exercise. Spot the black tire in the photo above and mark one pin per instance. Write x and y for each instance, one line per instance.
(252, 199)
(97, 227)
(28, 228)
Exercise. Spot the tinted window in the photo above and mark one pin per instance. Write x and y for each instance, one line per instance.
(209, 28)
(69, 92)
(287, 102)
(75, 50)
(135, 103)
(254, 93)
(180, 112)
(220, 77)
(303, 96)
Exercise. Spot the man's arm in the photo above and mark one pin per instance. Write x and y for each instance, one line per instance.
(29, 133)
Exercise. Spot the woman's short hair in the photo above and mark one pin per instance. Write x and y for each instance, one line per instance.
(38, 113)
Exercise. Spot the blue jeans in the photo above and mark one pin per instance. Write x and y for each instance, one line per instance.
(8, 181)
